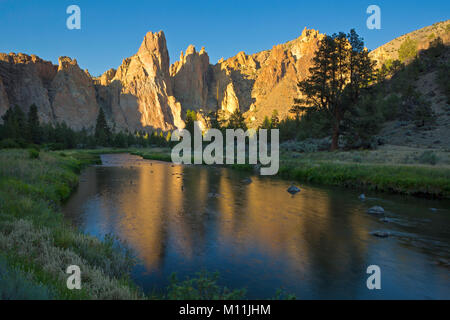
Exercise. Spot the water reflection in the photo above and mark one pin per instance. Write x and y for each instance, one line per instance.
(316, 244)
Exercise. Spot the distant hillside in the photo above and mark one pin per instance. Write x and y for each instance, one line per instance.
(423, 37)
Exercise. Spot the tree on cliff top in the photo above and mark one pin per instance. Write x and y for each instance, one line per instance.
(341, 70)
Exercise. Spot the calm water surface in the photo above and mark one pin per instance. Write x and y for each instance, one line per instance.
(316, 244)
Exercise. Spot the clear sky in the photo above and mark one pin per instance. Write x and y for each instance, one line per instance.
(113, 29)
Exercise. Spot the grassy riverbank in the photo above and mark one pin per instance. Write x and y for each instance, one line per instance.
(37, 244)
(409, 171)
(392, 169)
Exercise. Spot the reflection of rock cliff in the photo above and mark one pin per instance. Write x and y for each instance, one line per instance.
(146, 92)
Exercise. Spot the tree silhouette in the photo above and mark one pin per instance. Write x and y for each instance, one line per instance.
(33, 126)
(102, 131)
(341, 69)
(237, 120)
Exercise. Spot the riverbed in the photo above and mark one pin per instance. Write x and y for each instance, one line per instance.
(316, 244)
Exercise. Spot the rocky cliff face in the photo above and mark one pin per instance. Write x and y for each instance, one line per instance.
(260, 83)
(26, 80)
(139, 94)
(146, 92)
(190, 79)
(255, 84)
(72, 96)
(4, 103)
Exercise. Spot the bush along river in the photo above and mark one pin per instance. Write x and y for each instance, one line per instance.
(315, 244)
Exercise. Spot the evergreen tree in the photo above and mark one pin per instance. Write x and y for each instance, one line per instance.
(15, 125)
(267, 124)
(341, 69)
(102, 131)
(275, 120)
(34, 128)
(213, 120)
(237, 120)
(191, 117)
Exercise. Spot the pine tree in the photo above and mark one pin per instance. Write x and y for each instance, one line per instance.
(102, 131)
(275, 120)
(14, 124)
(267, 124)
(341, 69)
(237, 120)
(33, 126)
(191, 117)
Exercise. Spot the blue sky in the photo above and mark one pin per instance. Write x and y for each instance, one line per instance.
(113, 30)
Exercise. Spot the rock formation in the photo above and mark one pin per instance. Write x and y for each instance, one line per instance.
(72, 96)
(146, 92)
(26, 80)
(260, 83)
(190, 79)
(139, 94)
(4, 103)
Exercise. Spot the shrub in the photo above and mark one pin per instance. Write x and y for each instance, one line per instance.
(442, 80)
(407, 50)
(389, 106)
(203, 287)
(9, 144)
(428, 157)
(15, 284)
(33, 154)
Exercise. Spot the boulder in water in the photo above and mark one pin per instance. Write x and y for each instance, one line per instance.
(293, 189)
(380, 234)
(362, 196)
(376, 210)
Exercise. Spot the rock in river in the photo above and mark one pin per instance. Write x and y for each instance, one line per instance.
(376, 210)
(293, 189)
(380, 234)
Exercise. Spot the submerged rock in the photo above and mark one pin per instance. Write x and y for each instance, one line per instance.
(380, 234)
(376, 210)
(213, 195)
(293, 189)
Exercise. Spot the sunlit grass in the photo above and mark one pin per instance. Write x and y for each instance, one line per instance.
(36, 240)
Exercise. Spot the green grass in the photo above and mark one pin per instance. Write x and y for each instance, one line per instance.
(36, 241)
(425, 174)
(37, 244)
(402, 179)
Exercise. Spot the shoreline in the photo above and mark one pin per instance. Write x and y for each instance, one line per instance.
(404, 179)
(37, 243)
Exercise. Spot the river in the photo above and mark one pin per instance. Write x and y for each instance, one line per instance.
(316, 244)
